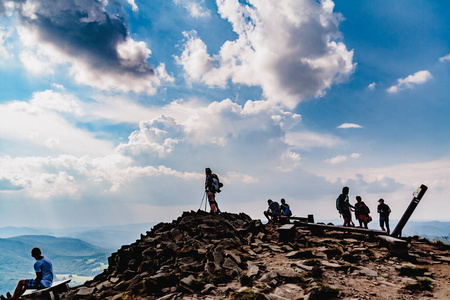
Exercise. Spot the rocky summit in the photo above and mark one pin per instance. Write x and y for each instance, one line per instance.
(231, 256)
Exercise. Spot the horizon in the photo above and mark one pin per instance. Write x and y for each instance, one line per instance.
(110, 112)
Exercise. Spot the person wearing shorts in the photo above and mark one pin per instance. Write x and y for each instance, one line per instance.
(44, 276)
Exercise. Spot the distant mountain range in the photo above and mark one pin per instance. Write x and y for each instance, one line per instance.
(109, 238)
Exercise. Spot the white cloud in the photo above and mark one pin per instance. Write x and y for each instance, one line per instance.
(5, 47)
(46, 177)
(341, 158)
(410, 81)
(306, 140)
(134, 7)
(445, 58)
(51, 100)
(349, 125)
(196, 9)
(372, 86)
(239, 177)
(336, 160)
(288, 47)
(355, 155)
(39, 122)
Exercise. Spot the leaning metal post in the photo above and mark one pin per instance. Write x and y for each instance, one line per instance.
(412, 206)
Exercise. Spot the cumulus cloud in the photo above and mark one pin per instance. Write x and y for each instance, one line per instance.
(290, 48)
(219, 123)
(349, 125)
(159, 135)
(411, 81)
(445, 58)
(93, 42)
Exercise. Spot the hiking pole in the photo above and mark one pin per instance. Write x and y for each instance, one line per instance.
(201, 203)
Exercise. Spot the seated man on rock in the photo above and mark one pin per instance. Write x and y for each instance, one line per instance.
(44, 276)
(273, 212)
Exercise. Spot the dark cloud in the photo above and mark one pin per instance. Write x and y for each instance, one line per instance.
(84, 29)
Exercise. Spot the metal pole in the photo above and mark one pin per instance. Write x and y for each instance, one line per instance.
(412, 206)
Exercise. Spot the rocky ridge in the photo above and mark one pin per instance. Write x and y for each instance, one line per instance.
(231, 256)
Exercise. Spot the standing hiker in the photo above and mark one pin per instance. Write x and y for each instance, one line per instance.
(344, 207)
(212, 186)
(361, 212)
(44, 276)
(384, 211)
(273, 212)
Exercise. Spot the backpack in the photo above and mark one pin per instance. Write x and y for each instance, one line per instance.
(215, 183)
(339, 203)
(287, 212)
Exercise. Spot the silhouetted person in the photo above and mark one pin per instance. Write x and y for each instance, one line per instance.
(273, 212)
(361, 212)
(212, 186)
(44, 276)
(344, 207)
(384, 211)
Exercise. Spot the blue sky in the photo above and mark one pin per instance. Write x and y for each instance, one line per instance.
(110, 111)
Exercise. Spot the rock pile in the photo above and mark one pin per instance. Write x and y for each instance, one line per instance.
(231, 256)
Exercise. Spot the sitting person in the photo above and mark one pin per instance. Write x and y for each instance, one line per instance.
(44, 276)
(273, 212)
(285, 209)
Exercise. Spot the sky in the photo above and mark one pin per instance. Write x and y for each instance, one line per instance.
(110, 111)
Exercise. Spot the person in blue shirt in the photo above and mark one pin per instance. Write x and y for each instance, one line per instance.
(44, 276)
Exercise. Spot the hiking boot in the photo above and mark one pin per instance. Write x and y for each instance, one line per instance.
(8, 295)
